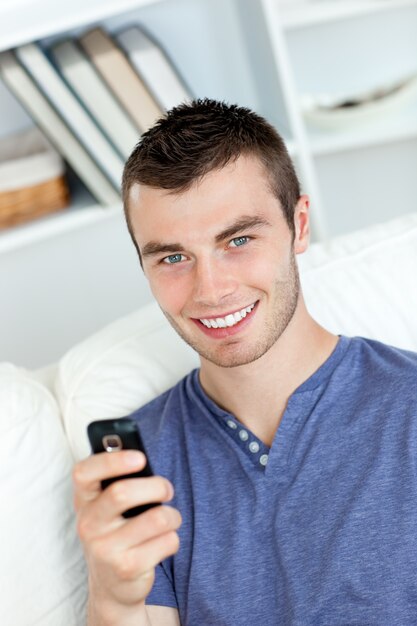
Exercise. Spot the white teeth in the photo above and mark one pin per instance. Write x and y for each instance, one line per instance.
(229, 320)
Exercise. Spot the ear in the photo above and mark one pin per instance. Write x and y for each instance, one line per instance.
(302, 224)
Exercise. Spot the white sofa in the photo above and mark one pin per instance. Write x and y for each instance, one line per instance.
(363, 283)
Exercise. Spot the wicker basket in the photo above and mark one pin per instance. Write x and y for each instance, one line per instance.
(32, 178)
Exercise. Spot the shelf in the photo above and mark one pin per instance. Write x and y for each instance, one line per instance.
(22, 21)
(400, 125)
(302, 13)
(82, 213)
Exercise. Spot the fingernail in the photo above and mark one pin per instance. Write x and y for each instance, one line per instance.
(170, 490)
(134, 458)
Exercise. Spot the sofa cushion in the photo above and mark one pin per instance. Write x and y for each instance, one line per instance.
(362, 283)
(42, 569)
(118, 369)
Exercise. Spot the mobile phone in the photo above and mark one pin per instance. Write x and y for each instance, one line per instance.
(111, 435)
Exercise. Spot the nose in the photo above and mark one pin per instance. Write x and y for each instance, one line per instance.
(213, 283)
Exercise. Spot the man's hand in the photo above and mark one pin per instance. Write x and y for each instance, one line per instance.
(122, 553)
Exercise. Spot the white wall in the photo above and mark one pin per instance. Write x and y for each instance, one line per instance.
(56, 292)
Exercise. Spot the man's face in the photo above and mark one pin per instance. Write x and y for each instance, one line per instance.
(220, 261)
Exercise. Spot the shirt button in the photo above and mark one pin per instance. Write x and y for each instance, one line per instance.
(254, 446)
(243, 435)
(231, 424)
(263, 460)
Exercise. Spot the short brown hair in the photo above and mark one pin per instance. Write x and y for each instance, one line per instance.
(195, 138)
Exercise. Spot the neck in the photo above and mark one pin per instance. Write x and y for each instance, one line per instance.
(257, 393)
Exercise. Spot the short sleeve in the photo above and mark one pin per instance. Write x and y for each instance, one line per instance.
(162, 593)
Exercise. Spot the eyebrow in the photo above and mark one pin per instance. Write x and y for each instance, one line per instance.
(155, 247)
(244, 222)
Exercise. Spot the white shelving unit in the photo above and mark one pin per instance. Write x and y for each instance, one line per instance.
(29, 20)
(22, 21)
(265, 54)
(346, 48)
(305, 13)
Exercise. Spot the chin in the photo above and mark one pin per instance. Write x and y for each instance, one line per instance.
(234, 358)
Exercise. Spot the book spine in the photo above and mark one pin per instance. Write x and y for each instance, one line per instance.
(51, 84)
(154, 66)
(121, 78)
(48, 120)
(91, 90)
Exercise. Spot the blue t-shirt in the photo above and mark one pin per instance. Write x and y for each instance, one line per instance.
(318, 530)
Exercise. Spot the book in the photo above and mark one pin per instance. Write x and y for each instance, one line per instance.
(155, 67)
(36, 63)
(39, 108)
(117, 71)
(95, 95)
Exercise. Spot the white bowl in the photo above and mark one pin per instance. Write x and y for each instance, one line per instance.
(333, 112)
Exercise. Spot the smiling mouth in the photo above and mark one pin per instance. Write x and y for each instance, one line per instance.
(229, 320)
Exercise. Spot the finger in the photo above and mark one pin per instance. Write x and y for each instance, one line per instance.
(125, 494)
(135, 532)
(104, 514)
(130, 565)
(88, 474)
(139, 560)
(148, 525)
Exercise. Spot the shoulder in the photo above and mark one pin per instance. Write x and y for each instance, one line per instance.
(162, 424)
(165, 409)
(383, 352)
(376, 359)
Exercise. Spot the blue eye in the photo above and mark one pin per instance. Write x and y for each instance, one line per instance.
(172, 258)
(239, 241)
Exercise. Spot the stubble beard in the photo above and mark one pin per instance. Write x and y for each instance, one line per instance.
(230, 354)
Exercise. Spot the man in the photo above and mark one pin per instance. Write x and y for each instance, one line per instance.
(292, 451)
